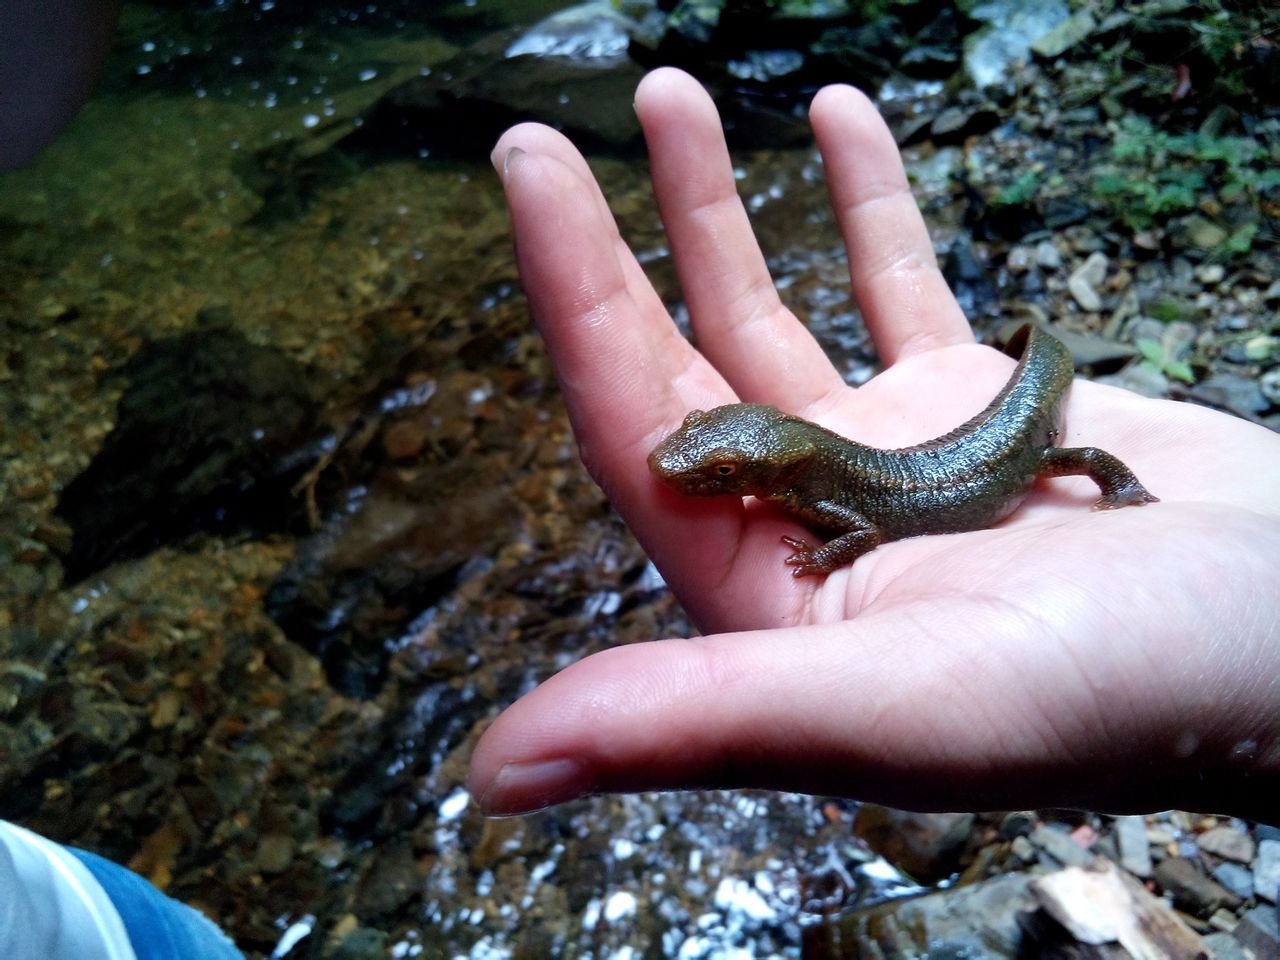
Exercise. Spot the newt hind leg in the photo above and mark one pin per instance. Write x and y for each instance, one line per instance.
(1119, 486)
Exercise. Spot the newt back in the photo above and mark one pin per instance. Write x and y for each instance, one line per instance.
(966, 479)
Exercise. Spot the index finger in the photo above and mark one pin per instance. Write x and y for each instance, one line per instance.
(628, 377)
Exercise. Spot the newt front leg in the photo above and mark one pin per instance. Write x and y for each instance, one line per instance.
(859, 536)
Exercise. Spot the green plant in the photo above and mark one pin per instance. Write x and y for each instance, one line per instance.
(1152, 175)
(1155, 355)
(1023, 189)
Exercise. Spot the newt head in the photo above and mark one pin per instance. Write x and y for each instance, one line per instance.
(740, 448)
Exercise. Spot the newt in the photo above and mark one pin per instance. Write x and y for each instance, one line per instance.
(968, 479)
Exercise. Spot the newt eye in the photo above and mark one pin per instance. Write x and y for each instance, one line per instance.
(725, 469)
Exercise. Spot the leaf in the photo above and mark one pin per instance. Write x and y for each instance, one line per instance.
(1180, 370)
(1151, 351)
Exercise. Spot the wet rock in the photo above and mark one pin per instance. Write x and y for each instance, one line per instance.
(1237, 879)
(928, 846)
(956, 124)
(1228, 842)
(1062, 212)
(1261, 348)
(594, 31)
(1259, 931)
(831, 37)
(461, 109)
(1269, 384)
(1266, 872)
(1059, 845)
(1231, 391)
(867, 53)
(210, 435)
(978, 920)
(1223, 946)
(1019, 260)
(763, 66)
(1047, 255)
(1192, 891)
(357, 943)
(1090, 350)
(1065, 35)
(275, 852)
(968, 279)
(1086, 279)
(1210, 274)
(359, 581)
(390, 880)
(421, 501)
(1135, 852)
(1012, 28)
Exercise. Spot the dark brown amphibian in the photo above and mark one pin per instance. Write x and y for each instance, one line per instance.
(967, 479)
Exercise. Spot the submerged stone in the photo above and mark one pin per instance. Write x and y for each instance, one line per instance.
(592, 31)
(208, 437)
(461, 111)
(1011, 30)
(979, 920)
(1065, 35)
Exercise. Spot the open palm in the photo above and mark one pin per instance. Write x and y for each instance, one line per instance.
(1128, 658)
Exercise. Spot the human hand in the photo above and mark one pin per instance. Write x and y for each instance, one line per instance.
(1124, 660)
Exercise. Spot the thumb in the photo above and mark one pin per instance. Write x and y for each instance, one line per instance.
(916, 708)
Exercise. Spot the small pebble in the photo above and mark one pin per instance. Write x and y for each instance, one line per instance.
(1246, 396)
(1023, 849)
(1094, 270)
(1210, 274)
(1019, 260)
(1203, 233)
(1085, 280)
(1084, 294)
(1141, 378)
(1048, 257)
(1192, 891)
(1266, 871)
(1224, 920)
(1247, 297)
(1237, 879)
(1223, 946)
(1060, 847)
(1229, 843)
(1135, 851)
(1259, 931)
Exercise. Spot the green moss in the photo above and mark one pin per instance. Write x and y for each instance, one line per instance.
(1166, 310)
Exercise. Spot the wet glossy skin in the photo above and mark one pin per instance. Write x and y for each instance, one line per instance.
(967, 479)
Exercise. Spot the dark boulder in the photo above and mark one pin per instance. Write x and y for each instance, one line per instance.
(462, 110)
(210, 435)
